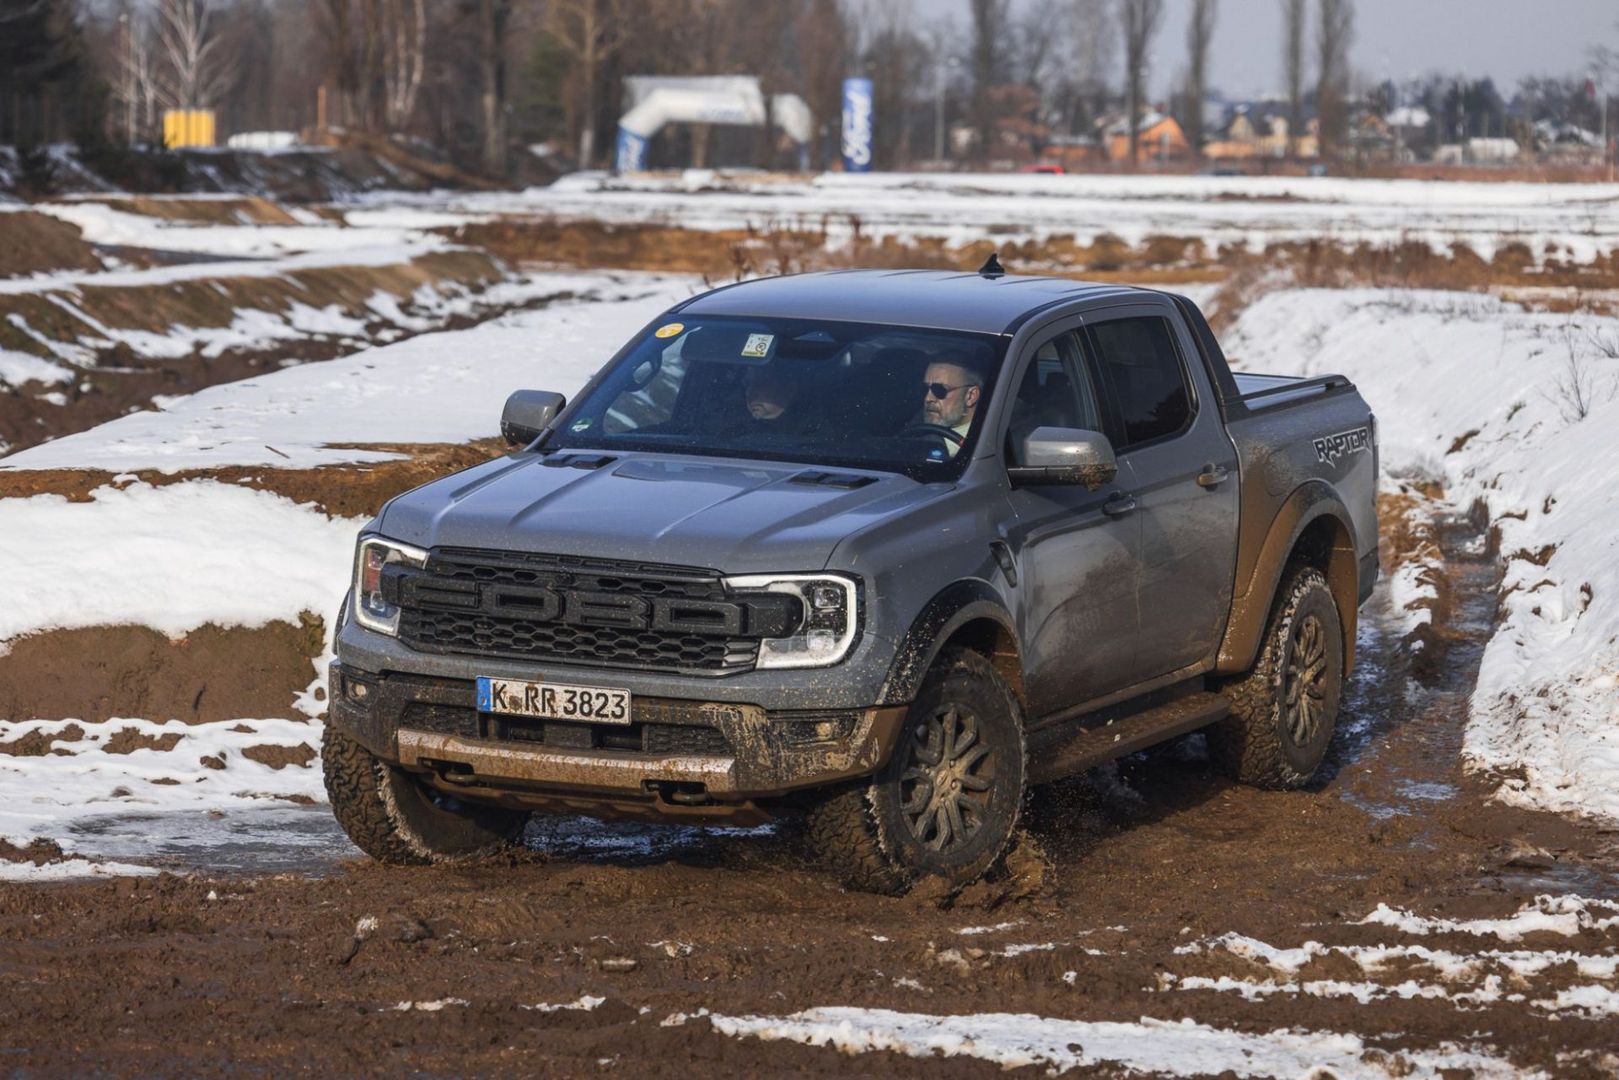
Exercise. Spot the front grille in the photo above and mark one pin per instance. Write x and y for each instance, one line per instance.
(593, 612)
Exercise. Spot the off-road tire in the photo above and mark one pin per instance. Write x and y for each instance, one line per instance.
(866, 833)
(395, 818)
(1266, 740)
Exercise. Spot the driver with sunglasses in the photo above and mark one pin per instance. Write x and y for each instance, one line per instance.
(950, 393)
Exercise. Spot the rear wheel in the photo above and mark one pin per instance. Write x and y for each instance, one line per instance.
(947, 802)
(395, 818)
(1284, 710)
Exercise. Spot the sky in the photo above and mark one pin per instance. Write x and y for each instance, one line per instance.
(1505, 39)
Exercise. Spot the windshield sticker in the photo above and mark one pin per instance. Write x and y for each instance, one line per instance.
(581, 424)
(668, 330)
(758, 345)
(1333, 447)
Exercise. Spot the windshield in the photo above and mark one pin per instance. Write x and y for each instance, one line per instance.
(825, 393)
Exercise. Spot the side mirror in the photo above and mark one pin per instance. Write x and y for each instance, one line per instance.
(1053, 455)
(528, 413)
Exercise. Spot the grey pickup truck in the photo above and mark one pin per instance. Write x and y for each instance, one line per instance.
(877, 552)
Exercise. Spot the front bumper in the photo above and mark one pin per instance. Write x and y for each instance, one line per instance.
(676, 755)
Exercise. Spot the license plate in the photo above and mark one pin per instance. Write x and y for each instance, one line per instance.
(551, 701)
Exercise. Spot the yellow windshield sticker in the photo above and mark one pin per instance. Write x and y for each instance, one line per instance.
(758, 345)
(670, 329)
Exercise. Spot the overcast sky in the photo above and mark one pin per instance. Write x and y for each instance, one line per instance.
(1505, 39)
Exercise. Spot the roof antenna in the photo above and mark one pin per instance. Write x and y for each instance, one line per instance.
(992, 266)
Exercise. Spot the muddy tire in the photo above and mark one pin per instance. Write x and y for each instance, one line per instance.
(947, 802)
(395, 818)
(1284, 710)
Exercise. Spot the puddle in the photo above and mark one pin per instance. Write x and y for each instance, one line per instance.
(268, 840)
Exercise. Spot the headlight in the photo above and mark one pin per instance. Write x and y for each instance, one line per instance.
(372, 608)
(831, 618)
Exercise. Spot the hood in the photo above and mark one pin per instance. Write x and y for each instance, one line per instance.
(732, 516)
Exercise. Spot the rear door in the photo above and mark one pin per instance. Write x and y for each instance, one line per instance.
(1078, 562)
(1164, 423)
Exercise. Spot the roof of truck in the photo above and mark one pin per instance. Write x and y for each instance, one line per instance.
(939, 299)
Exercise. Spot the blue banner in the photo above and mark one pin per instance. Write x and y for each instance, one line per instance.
(631, 155)
(856, 125)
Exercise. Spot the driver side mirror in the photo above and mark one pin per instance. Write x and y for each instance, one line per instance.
(528, 413)
(1053, 455)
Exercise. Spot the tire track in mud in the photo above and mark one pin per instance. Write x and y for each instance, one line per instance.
(1388, 918)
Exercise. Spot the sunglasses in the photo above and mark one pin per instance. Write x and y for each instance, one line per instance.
(941, 391)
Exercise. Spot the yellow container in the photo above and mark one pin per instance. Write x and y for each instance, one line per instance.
(188, 127)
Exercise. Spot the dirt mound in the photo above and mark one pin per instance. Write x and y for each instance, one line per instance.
(34, 243)
(213, 673)
(353, 490)
(39, 743)
(237, 210)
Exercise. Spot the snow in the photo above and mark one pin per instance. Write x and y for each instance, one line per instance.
(102, 224)
(436, 388)
(1438, 367)
(1565, 915)
(17, 368)
(208, 553)
(49, 795)
(965, 207)
(1017, 1040)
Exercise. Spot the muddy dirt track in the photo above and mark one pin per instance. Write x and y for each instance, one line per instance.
(1119, 906)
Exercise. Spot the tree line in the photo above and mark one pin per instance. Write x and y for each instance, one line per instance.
(481, 82)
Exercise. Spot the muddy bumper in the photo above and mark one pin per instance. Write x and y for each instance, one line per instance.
(674, 752)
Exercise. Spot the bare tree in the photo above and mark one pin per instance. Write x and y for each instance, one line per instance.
(823, 49)
(1293, 13)
(591, 31)
(1093, 52)
(1199, 32)
(1139, 19)
(1334, 32)
(136, 85)
(404, 58)
(989, 35)
(196, 67)
(338, 17)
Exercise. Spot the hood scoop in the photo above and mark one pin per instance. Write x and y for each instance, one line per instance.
(846, 481)
(588, 462)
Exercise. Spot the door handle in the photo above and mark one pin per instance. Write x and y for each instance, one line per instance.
(1119, 504)
(1213, 476)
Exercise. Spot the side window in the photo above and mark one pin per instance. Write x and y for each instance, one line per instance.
(1138, 363)
(1054, 392)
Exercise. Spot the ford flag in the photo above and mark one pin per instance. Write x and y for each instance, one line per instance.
(856, 125)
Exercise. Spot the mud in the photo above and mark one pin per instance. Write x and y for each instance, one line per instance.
(33, 243)
(213, 673)
(1113, 908)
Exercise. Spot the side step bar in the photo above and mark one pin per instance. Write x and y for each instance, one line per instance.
(1075, 747)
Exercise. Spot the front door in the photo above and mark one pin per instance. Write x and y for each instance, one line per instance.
(1077, 556)
(1183, 470)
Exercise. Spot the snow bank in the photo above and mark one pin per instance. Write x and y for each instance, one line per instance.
(1017, 1040)
(1517, 411)
(207, 553)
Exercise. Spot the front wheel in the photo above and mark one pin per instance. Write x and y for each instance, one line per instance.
(395, 818)
(1284, 710)
(946, 804)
